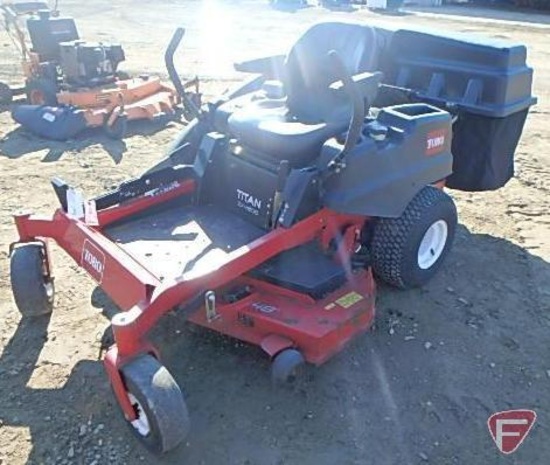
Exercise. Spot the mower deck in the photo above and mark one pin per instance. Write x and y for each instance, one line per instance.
(311, 305)
(140, 98)
(276, 318)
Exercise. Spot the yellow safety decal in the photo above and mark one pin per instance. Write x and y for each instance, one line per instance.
(350, 299)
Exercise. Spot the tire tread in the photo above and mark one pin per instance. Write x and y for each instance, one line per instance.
(27, 281)
(157, 391)
(391, 247)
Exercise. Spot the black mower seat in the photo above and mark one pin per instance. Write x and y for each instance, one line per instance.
(295, 128)
(273, 132)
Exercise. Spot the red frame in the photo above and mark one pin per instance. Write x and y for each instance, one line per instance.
(307, 324)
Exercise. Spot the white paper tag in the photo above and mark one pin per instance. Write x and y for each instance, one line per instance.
(90, 213)
(49, 117)
(75, 204)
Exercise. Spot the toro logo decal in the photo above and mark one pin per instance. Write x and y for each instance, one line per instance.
(510, 427)
(93, 260)
(435, 141)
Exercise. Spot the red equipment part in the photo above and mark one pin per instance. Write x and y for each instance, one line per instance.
(273, 317)
(318, 328)
(296, 319)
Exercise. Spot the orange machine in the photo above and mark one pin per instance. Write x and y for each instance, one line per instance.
(112, 105)
(62, 69)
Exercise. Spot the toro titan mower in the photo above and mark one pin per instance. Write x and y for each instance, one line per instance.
(277, 204)
(72, 84)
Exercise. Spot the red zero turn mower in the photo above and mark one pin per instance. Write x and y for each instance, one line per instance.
(277, 203)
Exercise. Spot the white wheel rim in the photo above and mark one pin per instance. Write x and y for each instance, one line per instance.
(141, 423)
(432, 244)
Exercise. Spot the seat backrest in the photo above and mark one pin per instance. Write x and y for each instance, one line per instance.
(309, 70)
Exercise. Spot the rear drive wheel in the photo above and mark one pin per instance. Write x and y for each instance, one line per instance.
(41, 91)
(407, 251)
(32, 291)
(162, 418)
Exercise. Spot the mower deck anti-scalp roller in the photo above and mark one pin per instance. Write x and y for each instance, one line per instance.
(274, 209)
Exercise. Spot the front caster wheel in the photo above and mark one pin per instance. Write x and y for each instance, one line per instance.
(32, 290)
(287, 366)
(162, 419)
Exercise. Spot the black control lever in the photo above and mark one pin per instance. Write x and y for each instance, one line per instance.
(282, 176)
(188, 103)
(358, 109)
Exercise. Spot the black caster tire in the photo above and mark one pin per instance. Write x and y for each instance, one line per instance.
(407, 251)
(287, 366)
(41, 91)
(6, 94)
(162, 418)
(34, 295)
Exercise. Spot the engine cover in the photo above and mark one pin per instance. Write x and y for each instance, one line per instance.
(89, 63)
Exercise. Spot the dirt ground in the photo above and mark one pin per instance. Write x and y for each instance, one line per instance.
(417, 389)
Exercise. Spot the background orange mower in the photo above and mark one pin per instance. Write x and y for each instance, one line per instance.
(63, 71)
